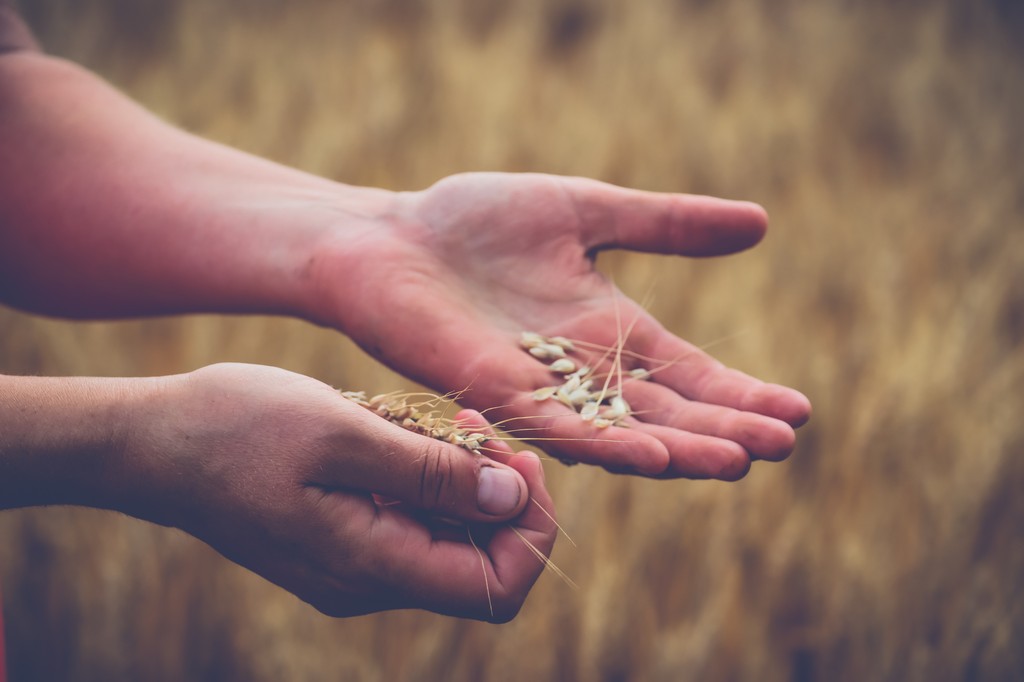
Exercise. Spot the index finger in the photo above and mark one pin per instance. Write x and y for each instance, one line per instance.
(486, 581)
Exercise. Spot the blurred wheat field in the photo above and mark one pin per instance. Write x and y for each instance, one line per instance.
(884, 139)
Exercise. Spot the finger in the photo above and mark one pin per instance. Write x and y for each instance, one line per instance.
(694, 455)
(470, 577)
(562, 432)
(694, 374)
(538, 518)
(762, 437)
(429, 474)
(516, 554)
(555, 428)
(683, 224)
(494, 447)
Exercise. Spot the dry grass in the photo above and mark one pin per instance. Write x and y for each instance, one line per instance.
(885, 140)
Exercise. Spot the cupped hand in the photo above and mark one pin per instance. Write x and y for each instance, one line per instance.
(349, 512)
(442, 292)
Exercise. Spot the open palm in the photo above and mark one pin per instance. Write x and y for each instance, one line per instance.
(443, 293)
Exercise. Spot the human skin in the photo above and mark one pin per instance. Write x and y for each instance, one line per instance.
(107, 212)
(281, 474)
(245, 488)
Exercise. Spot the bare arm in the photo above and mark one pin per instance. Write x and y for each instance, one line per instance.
(105, 211)
(279, 473)
(60, 438)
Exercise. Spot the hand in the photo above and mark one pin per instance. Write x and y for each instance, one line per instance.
(443, 293)
(281, 474)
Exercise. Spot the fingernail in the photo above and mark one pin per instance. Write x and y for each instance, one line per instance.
(539, 465)
(498, 491)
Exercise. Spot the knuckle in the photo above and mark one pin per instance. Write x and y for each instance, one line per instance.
(437, 476)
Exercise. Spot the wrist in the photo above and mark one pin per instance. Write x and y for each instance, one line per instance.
(62, 440)
(172, 222)
(358, 221)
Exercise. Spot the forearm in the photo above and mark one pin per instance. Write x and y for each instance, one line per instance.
(106, 211)
(62, 439)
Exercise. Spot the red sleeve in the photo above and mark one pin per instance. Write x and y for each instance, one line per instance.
(14, 35)
(3, 657)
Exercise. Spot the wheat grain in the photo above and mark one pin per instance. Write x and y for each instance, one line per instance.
(396, 408)
(603, 408)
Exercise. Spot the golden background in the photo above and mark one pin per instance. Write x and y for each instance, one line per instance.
(885, 140)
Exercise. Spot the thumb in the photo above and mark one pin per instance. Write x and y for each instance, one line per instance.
(682, 224)
(447, 479)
